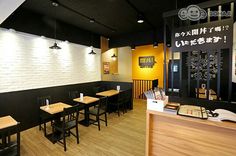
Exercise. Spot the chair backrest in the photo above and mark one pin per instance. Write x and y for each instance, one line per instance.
(71, 114)
(42, 100)
(121, 96)
(73, 94)
(102, 104)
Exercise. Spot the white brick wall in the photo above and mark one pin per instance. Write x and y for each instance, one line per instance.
(26, 62)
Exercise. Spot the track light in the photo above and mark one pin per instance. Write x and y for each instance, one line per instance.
(140, 19)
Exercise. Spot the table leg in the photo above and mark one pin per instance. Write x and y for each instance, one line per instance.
(85, 122)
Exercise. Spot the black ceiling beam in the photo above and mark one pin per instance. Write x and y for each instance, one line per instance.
(85, 16)
(139, 12)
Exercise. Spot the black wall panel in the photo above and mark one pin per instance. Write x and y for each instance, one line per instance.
(22, 105)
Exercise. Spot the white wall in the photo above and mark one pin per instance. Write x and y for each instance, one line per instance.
(26, 62)
(234, 55)
(124, 65)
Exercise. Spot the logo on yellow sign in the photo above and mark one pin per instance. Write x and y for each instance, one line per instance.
(146, 61)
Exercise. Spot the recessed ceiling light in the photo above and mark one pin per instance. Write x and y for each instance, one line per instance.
(155, 44)
(132, 47)
(55, 3)
(140, 19)
(91, 20)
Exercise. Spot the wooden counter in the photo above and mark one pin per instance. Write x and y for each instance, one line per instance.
(168, 134)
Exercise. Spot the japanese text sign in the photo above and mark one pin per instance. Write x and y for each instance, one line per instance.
(212, 35)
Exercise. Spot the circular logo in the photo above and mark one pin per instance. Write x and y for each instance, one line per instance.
(192, 12)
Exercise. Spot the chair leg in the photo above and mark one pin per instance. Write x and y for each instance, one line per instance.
(77, 134)
(118, 109)
(98, 120)
(44, 128)
(40, 124)
(64, 140)
(123, 108)
(106, 118)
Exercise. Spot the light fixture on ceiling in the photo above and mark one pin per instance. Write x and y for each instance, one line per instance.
(168, 45)
(140, 19)
(155, 44)
(114, 56)
(92, 51)
(91, 20)
(132, 47)
(55, 46)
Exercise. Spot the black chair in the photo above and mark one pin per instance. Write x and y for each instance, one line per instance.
(68, 123)
(119, 103)
(44, 117)
(127, 99)
(7, 146)
(73, 95)
(99, 110)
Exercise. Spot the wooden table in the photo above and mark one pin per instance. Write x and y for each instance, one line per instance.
(55, 110)
(7, 126)
(108, 93)
(87, 102)
(168, 134)
(7, 121)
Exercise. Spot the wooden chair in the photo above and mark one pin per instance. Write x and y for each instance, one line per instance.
(44, 117)
(68, 123)
(99, 110)
(7, 146)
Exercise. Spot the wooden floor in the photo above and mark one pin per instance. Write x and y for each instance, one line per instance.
(124, 136)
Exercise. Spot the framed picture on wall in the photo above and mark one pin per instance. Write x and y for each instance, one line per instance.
(106, 67)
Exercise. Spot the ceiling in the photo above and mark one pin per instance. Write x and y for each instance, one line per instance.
(113, 18)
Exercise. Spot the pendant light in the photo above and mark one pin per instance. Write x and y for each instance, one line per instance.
(114, 56)
(55, 46)
(92, 51)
